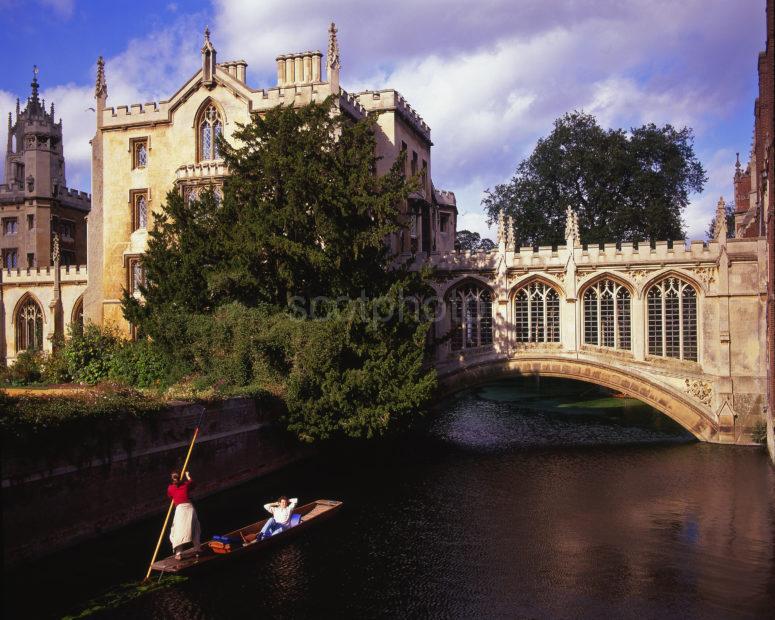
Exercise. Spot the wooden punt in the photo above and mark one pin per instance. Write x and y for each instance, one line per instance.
(314, 512)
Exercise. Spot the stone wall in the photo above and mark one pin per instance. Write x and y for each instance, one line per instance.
(55, 500)
(39, 285)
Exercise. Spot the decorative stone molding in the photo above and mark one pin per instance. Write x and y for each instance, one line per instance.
(701, 390)
(637, 275)
(706, 275)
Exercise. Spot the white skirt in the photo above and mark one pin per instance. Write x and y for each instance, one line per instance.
(185, 526)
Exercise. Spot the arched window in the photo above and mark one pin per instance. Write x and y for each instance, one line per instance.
(537, 313)
(672, 319)
(210, 127)
(471, 313)
(29, 327)
(607, 315)
(141, 154)
(140, 211)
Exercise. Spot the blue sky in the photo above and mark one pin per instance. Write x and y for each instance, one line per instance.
(489, 77)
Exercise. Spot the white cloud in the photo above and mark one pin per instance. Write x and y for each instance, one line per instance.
(489, 77)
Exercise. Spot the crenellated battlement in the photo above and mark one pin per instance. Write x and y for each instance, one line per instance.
(445, 197)
(391, 100)
(626, 256)
(42, 275)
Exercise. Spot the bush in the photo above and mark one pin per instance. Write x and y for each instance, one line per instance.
(33, 416)
(26, 369)
(239, 346)
(140, 364)
(54, 366)
(358, 378)
(89, 352)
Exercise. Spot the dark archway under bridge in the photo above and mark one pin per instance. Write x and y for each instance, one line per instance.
(668, 401)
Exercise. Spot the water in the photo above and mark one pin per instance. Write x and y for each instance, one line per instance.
(558, 502)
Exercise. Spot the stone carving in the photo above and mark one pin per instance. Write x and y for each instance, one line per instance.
(701, 390)
(501, 227)
(333, 47)
(511, 244)
(55, 253)
(720, 224)
(637, 275)
(707, 275)
(571, 226)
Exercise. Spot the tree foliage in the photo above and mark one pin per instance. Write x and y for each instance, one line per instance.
(625, 186)
(467, 241)
(259, 289)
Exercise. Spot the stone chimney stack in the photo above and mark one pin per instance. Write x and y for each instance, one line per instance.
(299, 69)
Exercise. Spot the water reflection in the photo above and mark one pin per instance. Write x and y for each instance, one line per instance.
(561, 502)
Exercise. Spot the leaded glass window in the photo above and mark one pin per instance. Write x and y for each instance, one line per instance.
(136, 275)
(672, 319)
(471, 314)
(140, 153)
(210, 128)
(140, 215)
(537, 313)
(607, 315)
(29, 327)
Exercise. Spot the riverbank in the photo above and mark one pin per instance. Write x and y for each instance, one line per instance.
(56, 495)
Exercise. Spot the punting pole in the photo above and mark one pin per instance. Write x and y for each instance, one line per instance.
(169, 510)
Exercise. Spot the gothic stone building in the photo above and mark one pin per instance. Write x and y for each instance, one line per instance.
(754, 197)
(39, 295)
(143, 150)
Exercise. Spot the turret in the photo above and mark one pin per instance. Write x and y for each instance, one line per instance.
(35, 163)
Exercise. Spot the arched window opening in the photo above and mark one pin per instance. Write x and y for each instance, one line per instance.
(471, 313)
(140, 212)
(672, 319)
(136, 275)
(537, 313)
(210, 128)
(607, 315)
(29, 327)
(141, 154)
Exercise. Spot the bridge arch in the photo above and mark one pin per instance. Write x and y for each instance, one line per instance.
(675, 405)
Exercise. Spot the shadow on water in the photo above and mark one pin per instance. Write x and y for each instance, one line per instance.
(517, 499)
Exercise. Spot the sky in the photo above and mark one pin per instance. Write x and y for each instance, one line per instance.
(489, 76)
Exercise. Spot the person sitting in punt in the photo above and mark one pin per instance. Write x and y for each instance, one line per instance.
(185, 524)
(281, 512)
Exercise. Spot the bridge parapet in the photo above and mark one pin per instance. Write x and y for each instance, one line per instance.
(687, 319)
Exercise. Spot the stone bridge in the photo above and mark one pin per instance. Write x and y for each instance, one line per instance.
(680, 326)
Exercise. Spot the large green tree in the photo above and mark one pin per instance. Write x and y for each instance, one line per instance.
(281, 284)
(625, 186)
(305, 211)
